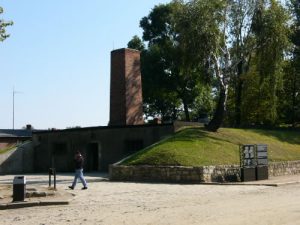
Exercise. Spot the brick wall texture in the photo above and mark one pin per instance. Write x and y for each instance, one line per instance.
(126, 103)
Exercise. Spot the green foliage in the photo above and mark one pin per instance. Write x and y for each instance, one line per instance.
(256, 102)
(136, 43)
(290, 96)
(230, 57)
(197, 147)
(169, 83)
(260, 80)
(199, 26)
(204, 103)
(3, 25)
(218, 41)
(158, 96)
(264, 81)
(7, 149)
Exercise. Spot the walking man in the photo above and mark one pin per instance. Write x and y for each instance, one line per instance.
(78, 159)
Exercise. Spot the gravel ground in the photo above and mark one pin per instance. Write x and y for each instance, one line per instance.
(139, 203)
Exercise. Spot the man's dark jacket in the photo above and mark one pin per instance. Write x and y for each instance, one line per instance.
(78, 162)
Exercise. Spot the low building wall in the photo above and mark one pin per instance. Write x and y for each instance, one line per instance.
(18, 160)
(100, 146)
(177, 174)
(284, 168)
(203, 174)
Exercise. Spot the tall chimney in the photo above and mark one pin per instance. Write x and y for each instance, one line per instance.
(126, 103)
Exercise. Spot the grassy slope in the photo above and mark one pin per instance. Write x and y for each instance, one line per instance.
(4, 150)
(195, 147)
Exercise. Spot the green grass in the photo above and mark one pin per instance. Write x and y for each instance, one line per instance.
(197, 147)
(4, 150)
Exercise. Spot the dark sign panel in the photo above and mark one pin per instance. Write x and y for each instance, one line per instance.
(254, 162)
(254, 155)
(248, 158)
(262, 154)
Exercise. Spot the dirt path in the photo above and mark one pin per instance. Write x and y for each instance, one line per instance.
(131, 203)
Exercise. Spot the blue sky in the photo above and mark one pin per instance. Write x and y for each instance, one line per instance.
(58, 57)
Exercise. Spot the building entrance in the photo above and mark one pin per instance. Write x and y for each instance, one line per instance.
(93, 157)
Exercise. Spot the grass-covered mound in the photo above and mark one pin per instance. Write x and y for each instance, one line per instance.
(7, 149)
(197, 147)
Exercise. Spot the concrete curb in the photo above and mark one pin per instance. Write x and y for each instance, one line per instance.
(255, 184)
(59, 182)
(287, 183)
(18, 205)
(248, 183)
(244, 184)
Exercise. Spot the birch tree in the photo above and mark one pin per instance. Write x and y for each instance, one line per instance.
(221, 36)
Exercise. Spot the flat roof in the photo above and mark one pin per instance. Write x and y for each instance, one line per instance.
(15, 133)
(102, 128)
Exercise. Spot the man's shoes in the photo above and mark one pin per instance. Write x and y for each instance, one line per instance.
(84, 188)
(71, 187)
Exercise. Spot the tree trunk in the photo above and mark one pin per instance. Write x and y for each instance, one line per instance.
(238, 99)
(174, 113)
(294, 101)
(238, 104)
(186, 112)
(218, 117)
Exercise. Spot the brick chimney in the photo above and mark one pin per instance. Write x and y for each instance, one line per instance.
(126, 103)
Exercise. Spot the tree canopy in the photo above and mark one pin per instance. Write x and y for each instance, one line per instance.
(169, 84)
(243, 56)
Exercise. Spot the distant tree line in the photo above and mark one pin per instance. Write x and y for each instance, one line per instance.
(236, 62)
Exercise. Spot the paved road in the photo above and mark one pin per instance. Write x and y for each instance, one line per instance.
(139, 203)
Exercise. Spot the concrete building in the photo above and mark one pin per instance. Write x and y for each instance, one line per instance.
(102, 146)
(17, 150)
(10, 137)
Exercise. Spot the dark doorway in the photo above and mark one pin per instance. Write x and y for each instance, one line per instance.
(92, 161)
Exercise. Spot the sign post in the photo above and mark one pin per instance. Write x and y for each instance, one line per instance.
(254, 162)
